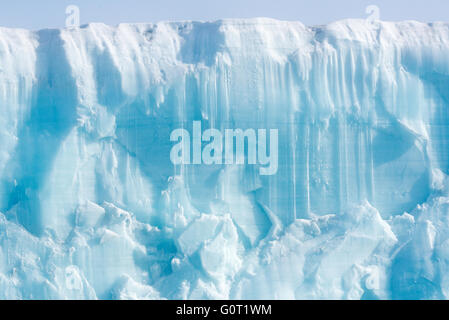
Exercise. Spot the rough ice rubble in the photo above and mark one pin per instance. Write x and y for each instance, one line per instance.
(92, 207)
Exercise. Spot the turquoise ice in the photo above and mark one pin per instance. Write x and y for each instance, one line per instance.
(92, 207)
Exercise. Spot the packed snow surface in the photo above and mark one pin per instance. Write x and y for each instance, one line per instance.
(93, 208)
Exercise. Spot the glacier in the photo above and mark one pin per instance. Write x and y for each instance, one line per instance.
(92, 208)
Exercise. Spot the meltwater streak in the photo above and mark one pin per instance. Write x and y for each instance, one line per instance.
(92, 206)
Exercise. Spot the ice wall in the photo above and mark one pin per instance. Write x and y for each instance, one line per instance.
(91, 206)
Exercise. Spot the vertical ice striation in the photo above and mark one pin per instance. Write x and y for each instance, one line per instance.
(92, 207)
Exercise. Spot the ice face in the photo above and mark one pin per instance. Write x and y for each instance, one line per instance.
(92, 206)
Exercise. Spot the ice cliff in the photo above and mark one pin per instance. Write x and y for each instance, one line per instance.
(91, 206)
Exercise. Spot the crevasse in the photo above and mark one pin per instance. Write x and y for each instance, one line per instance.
(91, 206)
